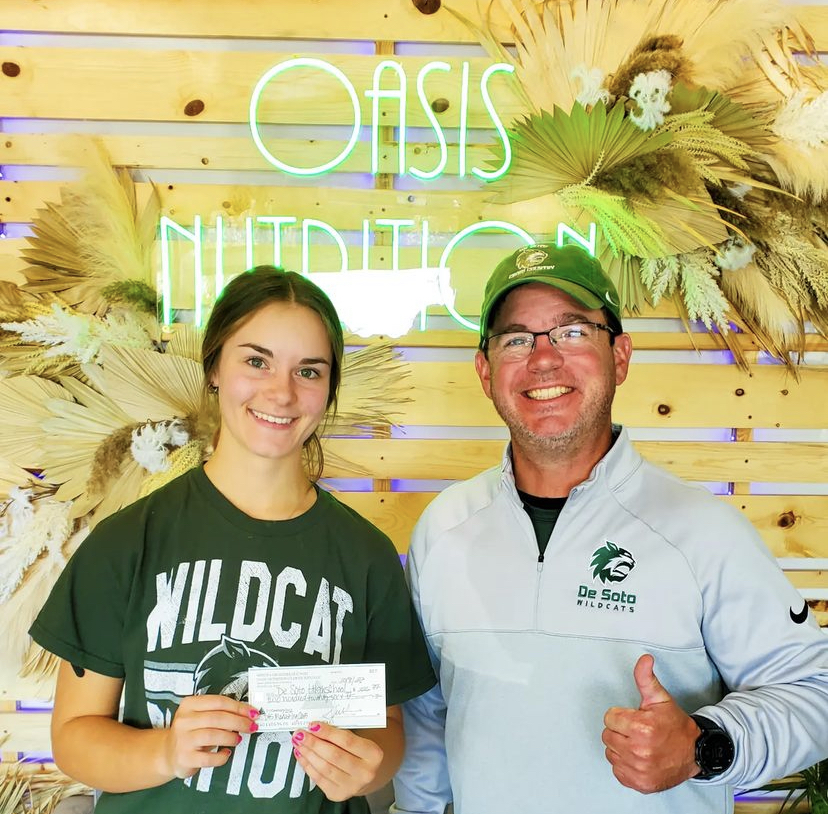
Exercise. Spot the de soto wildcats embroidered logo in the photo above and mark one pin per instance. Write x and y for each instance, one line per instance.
(610, 565)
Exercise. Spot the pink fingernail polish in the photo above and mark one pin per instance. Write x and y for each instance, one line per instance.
(254, 713)
(296, 753)
(254, 727)
(238, 739)
(315, 727)
(298, 737)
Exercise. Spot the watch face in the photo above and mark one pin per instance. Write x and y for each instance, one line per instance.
(714, 752)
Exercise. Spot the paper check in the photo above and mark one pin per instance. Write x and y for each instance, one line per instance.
(351, 696)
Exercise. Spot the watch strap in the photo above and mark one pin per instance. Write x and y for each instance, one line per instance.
(714, 749)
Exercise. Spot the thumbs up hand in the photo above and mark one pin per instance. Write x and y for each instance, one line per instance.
(651, 748)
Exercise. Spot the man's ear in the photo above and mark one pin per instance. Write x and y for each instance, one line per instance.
(484, 372)
(622, 352)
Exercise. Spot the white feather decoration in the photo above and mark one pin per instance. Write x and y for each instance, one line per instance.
(29, 530)
(592, 86)
(150, 442)
(20, 610)
(649, 90)
(802, 120)
(81, 336)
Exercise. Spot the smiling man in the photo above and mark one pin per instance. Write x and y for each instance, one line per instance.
(607, 637)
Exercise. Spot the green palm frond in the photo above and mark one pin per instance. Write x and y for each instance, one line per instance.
(551, 151)
(810, 783)
(725, 141)
(731, 118)
(715, 132)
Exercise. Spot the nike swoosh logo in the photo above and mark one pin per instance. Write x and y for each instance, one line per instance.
(800, 617)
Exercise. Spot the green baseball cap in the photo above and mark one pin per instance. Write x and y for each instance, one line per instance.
(570, 268)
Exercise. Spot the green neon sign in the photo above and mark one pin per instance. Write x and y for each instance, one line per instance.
(458, 238)
(501, 130)
(398, 94)
(375, 94)
(166, 285)
(432, 120)
(429, 285)
(303, 62)
(435, 290)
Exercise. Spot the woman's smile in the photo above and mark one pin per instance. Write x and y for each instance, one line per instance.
(271, 419)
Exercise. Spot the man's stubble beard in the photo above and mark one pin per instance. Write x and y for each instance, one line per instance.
(566, 444)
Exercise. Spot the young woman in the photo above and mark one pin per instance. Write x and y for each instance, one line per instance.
(239, 564)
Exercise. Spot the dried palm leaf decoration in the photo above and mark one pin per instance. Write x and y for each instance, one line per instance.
(94, 249)
(27, 789)
(690, 134)
(95, 409)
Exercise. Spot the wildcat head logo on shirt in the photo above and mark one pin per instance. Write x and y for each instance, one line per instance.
(223, 671)
(611, 563)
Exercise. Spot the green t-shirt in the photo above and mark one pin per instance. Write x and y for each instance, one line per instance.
(180, 593)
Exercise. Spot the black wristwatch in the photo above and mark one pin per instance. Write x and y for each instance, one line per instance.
(714, 749)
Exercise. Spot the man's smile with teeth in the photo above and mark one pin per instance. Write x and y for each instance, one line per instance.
(548, 392)
(272, 419)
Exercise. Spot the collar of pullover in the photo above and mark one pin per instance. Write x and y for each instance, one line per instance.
(620, 461)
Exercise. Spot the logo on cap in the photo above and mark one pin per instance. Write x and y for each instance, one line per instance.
(530, 258)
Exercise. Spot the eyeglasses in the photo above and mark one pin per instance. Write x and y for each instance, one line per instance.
(570, 338)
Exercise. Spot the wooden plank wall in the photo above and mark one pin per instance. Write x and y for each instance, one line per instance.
(165, 87)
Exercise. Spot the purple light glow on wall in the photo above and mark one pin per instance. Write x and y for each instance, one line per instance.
(2, 174)
(6, 38)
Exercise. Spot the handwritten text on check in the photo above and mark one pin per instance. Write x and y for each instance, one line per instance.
(351, 696)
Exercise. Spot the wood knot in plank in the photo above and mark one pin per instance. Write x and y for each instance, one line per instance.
(11, 69)
(664, 409)
(740, 391)
(440, 105)
(426, 6)
(786, 520)
(194, 107)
